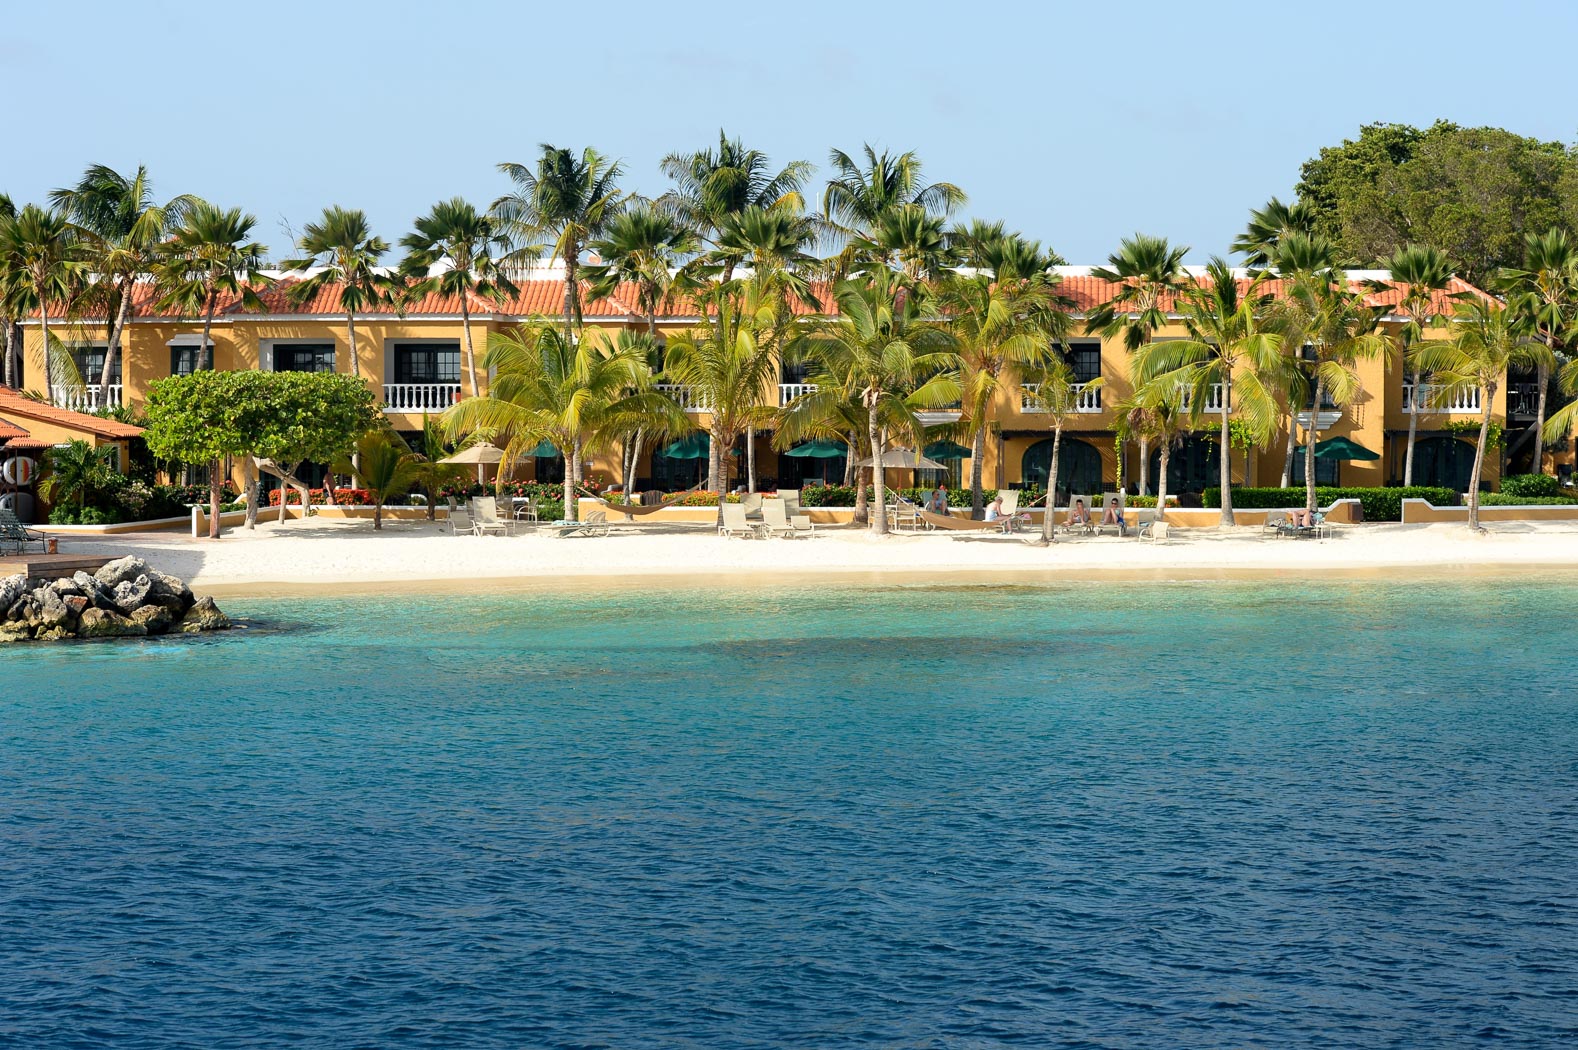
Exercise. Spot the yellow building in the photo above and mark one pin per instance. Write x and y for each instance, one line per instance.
(415, 362)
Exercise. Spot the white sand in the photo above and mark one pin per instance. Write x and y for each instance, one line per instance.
(350, 555)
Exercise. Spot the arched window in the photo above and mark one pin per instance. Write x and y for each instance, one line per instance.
(1078, 468)
(1194, 464)
(1444, 461)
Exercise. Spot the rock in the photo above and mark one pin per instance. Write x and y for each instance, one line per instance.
(204, 615)
(101, 623)
(156, 619)
(167, 586)
(12, 588)
(64, 587)
(52, 613)
(119, 571)
(76, 603)
(14, 632)
(95, 592)
(131, 595)
(53, 634)
(25, 611)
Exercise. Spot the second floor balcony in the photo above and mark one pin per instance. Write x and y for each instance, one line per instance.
(1426, 398)
(420, 397)
(88, 398)
(1087, 398)
(1215, 399)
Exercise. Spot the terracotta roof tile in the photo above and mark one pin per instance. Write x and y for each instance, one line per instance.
(10, 431)
(14, 405)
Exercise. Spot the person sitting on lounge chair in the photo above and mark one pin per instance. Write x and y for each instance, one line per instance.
(1302, 519)
(938, 503)
(994, 510)
(1113, 515)
(1078, 514)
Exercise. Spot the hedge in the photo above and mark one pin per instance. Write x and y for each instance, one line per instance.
(1503, 499)
(1380, 504)
(1537, 485)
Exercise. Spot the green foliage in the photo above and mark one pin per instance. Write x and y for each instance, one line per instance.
(1380, 504)
(1504, 499)
(1469, 428)
(1530, 485)
(1240, 434)
(77, 472)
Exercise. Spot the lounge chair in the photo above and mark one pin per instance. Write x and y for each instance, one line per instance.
(1320, 530)
(735, 523)
(486, 509)
(906, 513)
(1156, 531)
(14, 536)
(752, 502)
(594, 524)
(791, 498)
(774, 521)
(1100, 512)
(1276, 522)
(460, 523)
(1068, 521)
(1010, 501)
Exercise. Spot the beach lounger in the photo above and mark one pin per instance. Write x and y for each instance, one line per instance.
(735, 523)
(1101, 511)
(791, 498)
(1010, 501)
(15, 537)
(1276, 523)
(752, 502)
(1156, 531)
(486, 509)
(906, 514)
(460, 523)
(774, 521)
(1068, 523)
(594, 524)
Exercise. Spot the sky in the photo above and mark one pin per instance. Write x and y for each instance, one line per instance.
(1077, 123)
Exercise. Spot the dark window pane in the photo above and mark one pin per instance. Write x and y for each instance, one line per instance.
(427, 364)
(304, 357)
(184, 360)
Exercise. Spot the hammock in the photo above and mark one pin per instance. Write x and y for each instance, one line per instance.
(948, 521)
(633, 510)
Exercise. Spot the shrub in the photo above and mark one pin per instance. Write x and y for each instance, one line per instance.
(87, 516)
(1530, 485)
(1380, 504)
(344, 497)
(1502, 499)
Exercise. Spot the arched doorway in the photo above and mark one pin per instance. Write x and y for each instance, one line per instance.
(1194, 464)
(1078, 466)
(1444, 461)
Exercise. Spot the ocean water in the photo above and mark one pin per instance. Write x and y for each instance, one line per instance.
(1334, 814)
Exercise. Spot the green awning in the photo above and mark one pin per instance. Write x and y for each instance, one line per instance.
(691, 446)
(1341, 448)
(544, 450)
(819, 449)
(946, 450)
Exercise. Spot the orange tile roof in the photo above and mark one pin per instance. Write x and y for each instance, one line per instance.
(14, 404)
(9, 430)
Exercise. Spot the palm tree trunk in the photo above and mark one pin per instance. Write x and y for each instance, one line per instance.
(750, 459)
(43, 324)
(978, 467)
(572, 460)
(862, 496)
(1487, 394)
(572, 297)
(1413, 429)
(1287, 460)
(1309, 452)
(205, 355)
(249, 478)
(350, 332)
(116, 334)
(1543, 378)
(215, 482)
(881, 523)
(1049, 522)
(378, 513)
(9, 367)
(1227, 470)
(1161, 479)
(850, 472)
(715, 480)
(471, 353)
(632, 460)
(1145, 465)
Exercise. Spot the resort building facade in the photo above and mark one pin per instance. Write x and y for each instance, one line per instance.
(416, 363)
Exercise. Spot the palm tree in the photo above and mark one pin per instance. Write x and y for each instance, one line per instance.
(431, 473)
(125, 233)
(642, 246)
(209, 255)
(573, 393)
(1004, 331)
(1488, 339)
(1269, 226)
(881, 353)
(387, 469)
(1422, 274)
(342, 250)
(76, 470)
(1057, 394)
(44, 258)
(908, 238)
(1155, 414)
(1150, 274)
(454, 236)
(561, 204)
(1545, 292)
(992, 248)
(862, 193)
(1227, 350)
(10, 371)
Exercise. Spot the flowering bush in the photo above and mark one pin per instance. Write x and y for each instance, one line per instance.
(346, 497)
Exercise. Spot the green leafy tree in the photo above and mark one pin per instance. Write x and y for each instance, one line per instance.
(459, 241)
(76, 471)
(1228, 349)
(340, 249)
(210, 254)
(125, 232)
(44, 262)
(862, 193)
(561, 204)
(1544, 292)
(1488, 339)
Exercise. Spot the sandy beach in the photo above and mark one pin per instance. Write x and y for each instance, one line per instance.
(349, 555)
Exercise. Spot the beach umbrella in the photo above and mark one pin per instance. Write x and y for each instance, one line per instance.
(947, 450)
(478, 454)
(691, 446)
(1342, 448)
(821, 448)
(544, 450)
(903, 459)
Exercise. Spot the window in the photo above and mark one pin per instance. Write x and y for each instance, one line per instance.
(1083, 358)
(1326, 470)
(184, 360)
(796, 373)
(303, 357)
(432, 363)
(90, 363)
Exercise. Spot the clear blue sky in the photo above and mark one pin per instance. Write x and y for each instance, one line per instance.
(1076, 122)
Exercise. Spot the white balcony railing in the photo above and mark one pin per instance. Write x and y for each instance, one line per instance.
(1087, 398)
(89, 398)
(420, 397)
(688, 397)
(787, 392)
(1424, 398)
(1214, 398)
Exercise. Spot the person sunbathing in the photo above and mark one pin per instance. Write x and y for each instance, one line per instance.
(1113, 515)
(1078, 514)
(1303, 519)
(994, 510)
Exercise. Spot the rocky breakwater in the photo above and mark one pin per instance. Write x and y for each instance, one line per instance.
(124, 599)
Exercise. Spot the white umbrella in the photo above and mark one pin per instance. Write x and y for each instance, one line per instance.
(480, 453)
(904, 459)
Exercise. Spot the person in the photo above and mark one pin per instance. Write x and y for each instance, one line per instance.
(1113, 515)
(1078, 514)
(938, 503)
(994, 510)
(1300, 518)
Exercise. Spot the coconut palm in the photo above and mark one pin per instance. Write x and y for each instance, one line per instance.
(10, 368)
(340, 249)
(573, 393)
(641, 246)
(1545, 292)
(431, 472)
(1228, 349)
(1267, 228)
(1422, 274)
(882, 353)
(861, 193)
(387, 468)
(125, 233)
(1004, 330)
(1488, 339)
(1149, 273)
(208, 255)
(561, 204)
(76, 471)
(1055, 392)
(44, 258)
(1003, 254)
(458, 240)
(1154, 414)
(908, 238)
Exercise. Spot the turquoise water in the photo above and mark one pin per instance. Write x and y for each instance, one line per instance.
(1128, 815)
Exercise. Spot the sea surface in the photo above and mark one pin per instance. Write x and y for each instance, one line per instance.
(1146, 815)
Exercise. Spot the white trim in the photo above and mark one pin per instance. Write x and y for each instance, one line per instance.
(189, 339)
